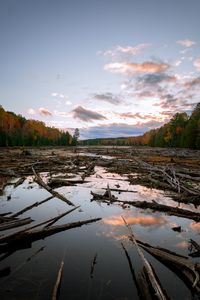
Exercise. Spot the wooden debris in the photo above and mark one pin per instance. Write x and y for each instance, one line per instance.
(13, 236)
(135, 279)
(180, 265)
(58, 282)
(177, 228)
(15, 223)
(31, 206)
(175, 211)
(150, 273)
(50, 190)
(196, 246)
(29, 236)
(94, 262)
(19, 181)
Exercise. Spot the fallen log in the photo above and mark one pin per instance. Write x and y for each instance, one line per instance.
(175, 211)
(148, 269)
(135, 279)
(196, 246)
(27, 237)
(58, 282)
(49, 189)
(52, 220)
(182, 266)
(15, 223)
(94, 262)
(19, 181)
(31, 206)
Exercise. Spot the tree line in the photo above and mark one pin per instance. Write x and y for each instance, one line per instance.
(181, 131)
(15, 130)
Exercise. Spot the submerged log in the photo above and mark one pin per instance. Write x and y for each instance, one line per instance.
(12, 236)
(31, 206)
(15, 223)
(148, 269)
(28, 237)
(58, 282)
(182, 266)
(49, 189)
(170, 210)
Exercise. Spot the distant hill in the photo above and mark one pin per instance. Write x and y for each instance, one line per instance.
(15, 130)
(181, 131)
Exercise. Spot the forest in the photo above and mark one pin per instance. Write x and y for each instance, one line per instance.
(181, 131)
(15, 130)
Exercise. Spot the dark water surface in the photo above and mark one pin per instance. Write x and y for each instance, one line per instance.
(34, 270)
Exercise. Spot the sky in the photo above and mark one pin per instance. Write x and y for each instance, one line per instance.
(111, 68)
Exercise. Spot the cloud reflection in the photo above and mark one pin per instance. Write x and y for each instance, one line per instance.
(136, 220)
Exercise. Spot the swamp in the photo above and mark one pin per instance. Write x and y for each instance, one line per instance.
(99, 223)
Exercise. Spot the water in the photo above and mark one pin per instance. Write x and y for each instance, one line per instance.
(34, 270)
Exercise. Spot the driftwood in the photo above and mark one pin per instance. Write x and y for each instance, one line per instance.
(19, 181)
(175, 211)
(58, 182)
(58, 282)
(94, 262)
(31, 206)
(13, 236)
(50, 190)
(107, 196)
(148, 269)
(135, 279)
(27, 237)
(196, 246)
(180, 265)
(15, 223)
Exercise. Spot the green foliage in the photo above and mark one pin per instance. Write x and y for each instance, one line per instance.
(180, 131)
(15, 130)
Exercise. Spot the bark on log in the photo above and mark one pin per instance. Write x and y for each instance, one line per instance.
(46, 187)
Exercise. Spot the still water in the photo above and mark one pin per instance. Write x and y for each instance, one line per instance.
(34, 270)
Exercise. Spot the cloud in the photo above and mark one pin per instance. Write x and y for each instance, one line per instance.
(192, 83)
(44, 112)
(186, 43)
(136, 220)
(108, 97)
(86, 115)
(62, 96)
(128, 50)
(115, 130)
(197, 64)
(153, 79)
(31, 111)
(127, 68)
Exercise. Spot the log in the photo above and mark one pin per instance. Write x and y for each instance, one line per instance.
(149, 271)
(19, 181)
(28, 237)
(58, 282)
(31, 206)
(15, 223)
(48, 188)
(182, 266)
(175, 211)
(94, 262)
(52, 220)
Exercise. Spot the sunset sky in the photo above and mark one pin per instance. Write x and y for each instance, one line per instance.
(109, 67)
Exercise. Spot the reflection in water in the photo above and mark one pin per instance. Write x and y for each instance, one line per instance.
(182, 245)
(195, 226)
(133, 220)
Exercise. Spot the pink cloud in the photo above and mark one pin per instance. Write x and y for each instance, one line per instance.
(197, 64)
(131, 68)
(186, 43)
(44, 112)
